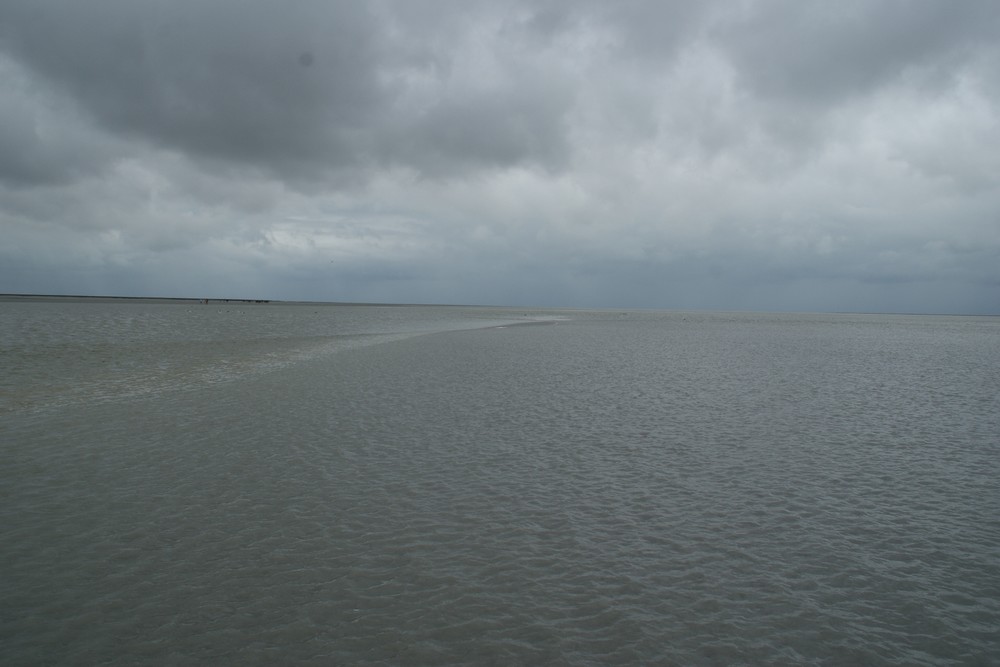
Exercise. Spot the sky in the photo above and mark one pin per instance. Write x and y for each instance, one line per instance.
(795, 155)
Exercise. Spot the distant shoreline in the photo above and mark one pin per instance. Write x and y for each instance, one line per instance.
(84, 298)
(108, 299)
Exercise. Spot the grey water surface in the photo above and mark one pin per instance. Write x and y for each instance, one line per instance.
(315, 484)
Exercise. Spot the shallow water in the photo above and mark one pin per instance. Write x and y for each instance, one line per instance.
(361, 485)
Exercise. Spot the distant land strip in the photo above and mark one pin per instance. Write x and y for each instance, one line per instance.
(157, 299)
(86, 298)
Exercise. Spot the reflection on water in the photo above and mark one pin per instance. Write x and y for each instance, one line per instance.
(61, 353)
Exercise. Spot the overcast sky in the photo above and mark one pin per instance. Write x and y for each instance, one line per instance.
(788, 155)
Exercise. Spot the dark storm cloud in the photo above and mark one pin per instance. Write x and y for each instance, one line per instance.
(289, 87)
(221, 79)
(819, 52)
(510, 126)
(40, 143)
(28, 157)
(725, 154)
(307, 89)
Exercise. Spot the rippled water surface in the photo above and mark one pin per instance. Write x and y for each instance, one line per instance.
(299, 484)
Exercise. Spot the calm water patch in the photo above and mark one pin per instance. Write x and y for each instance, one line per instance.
(362, 485)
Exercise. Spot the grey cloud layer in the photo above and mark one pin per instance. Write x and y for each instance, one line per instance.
(326, 85)
(821, 53)
(749, 148)
(298, 87)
